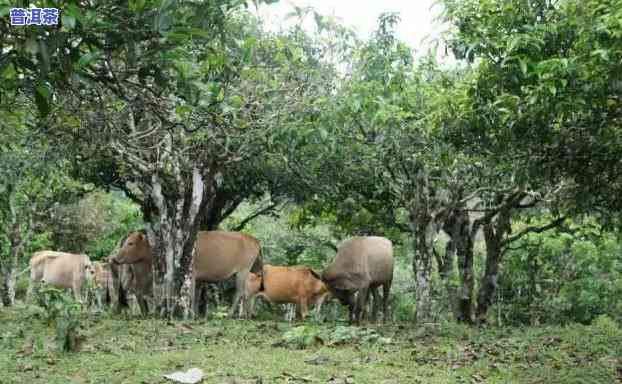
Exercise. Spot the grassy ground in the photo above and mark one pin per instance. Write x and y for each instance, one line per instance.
(133, 350)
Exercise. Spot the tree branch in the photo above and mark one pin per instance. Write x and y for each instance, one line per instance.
(254, 215)
(534, 229)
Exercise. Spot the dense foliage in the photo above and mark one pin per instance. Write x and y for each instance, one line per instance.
(496, 177)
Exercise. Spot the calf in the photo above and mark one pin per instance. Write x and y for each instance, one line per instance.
(61, 270)
(296, 285)
(103, 283)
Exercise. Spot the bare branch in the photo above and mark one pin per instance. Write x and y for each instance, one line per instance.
(254, 215)
(484, 189)
(534, 229)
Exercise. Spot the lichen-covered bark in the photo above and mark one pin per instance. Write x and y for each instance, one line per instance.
(446, 271)
(424, 225)
(8, 266)
(464, 242)
(173, 243)
(422, 266)
(494, 233)
(8, 284)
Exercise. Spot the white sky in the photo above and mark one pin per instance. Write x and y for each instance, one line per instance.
(417, 16)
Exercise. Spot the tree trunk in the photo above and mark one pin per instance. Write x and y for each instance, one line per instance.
(458, 226)
(8, 267)
(173, 244)
(494, 232)
(9, 280)
(446, 271)
(464, 250)
(489, 282)
(424, 225)
(422, 266)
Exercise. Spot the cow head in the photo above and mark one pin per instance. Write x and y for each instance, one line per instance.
(135, 248)
(89, 271)
(338, 289)
(253, 283)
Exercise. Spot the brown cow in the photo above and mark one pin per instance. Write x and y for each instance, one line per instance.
(61, 270)
(218, 256)
(296, 285)
(132, 271)
(361, 264)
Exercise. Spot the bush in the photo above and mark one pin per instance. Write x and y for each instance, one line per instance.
(64, 311)
(306, 336)
(403, 307)
(559, 278)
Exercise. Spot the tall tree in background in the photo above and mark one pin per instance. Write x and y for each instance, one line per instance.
(32, 181)
(545, 94)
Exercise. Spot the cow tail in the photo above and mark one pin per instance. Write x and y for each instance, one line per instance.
(261, 286)
(257, 266)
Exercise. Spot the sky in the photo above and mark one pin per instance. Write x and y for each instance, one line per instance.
(417, 16)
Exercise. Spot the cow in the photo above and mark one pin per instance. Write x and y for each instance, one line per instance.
(103, 283)
(297, 285)
(132, 272)
(219, 255)
(60, 270)
(361, 265)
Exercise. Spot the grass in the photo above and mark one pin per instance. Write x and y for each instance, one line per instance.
(128, 349)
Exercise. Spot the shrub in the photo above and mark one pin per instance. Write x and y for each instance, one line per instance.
(63, 310)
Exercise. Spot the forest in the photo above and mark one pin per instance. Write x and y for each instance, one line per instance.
(496, 175)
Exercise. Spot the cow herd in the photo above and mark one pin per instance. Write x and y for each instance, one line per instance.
(362, 266)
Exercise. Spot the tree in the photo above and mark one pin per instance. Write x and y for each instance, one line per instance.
(180, 107)
(545, 90)
(153, 76)
(31, 182)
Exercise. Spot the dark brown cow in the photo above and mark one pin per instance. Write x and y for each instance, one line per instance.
(362, 265)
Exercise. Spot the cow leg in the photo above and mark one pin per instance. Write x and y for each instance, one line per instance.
(318, 306)
(366, 311)
(251, 305)
(303, 307)
(77, 290)
(143, 305)
(240, 292)
(375, 304)
(98, 299)
(386, 289)
(360, 303)
(241, 306)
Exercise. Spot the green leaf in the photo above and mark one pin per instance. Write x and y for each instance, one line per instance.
(88, 58)
(42, 95)
(182, 110)
(31, 46)
(68, 21)
(523, 66)
(137, 5)
(4, 10)
(73, 11)
(8, 72)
